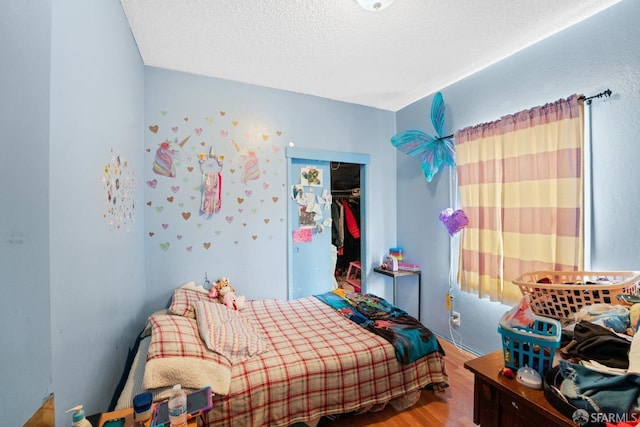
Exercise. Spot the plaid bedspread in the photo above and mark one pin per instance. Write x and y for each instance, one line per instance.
(318, 363)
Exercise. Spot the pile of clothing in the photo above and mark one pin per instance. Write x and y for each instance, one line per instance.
(600, 363)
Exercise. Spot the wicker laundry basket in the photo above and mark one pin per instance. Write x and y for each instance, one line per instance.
(561, 294)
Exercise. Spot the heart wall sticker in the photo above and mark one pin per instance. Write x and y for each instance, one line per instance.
(454, 220)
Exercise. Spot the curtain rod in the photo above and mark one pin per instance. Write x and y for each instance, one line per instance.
(604, 93)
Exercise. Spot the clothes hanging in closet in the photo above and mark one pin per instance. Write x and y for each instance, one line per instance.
(345, 212)
(337, 231)
(352, 224)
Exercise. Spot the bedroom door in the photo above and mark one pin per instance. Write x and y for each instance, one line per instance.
(310, 258)
(312, 265)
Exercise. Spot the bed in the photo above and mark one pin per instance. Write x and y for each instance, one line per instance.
(278, 363)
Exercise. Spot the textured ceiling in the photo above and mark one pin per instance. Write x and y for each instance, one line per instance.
(335, 49)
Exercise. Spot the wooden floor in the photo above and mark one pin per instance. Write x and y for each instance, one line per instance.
(44, 416)
(450, 408)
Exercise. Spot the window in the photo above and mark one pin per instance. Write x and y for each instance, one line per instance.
(521, 183)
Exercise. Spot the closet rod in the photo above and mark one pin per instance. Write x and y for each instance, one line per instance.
(349, 191)
(346, 194)
(604, 93)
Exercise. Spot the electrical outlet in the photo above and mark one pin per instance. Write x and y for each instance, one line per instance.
(455, 318)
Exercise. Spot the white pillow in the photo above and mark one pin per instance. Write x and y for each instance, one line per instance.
(193, 287)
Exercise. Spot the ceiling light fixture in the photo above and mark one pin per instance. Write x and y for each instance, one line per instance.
(374, 4)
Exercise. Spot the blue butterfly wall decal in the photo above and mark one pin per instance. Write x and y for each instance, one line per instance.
(434, 152)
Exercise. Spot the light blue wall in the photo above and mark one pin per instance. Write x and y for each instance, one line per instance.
(97, 270)
(25, 351)
(247, 240)
(602, 52)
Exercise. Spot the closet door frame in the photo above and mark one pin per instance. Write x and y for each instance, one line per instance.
(331, 156)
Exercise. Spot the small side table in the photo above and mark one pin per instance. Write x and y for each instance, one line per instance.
(354, 275)
(402, 273)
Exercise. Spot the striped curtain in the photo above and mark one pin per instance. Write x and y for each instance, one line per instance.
(521, 185)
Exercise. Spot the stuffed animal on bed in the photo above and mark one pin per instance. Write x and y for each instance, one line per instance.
(234, 302)
(220, 288)
(226, 295)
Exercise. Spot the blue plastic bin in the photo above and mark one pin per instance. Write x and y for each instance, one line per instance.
(533, 346)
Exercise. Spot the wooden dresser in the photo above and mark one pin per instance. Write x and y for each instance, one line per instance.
(502, 402)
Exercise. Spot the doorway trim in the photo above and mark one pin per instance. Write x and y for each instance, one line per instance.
(330, 156)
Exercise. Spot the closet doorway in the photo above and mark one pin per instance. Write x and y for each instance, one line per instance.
(311, 266)
(347, 224)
